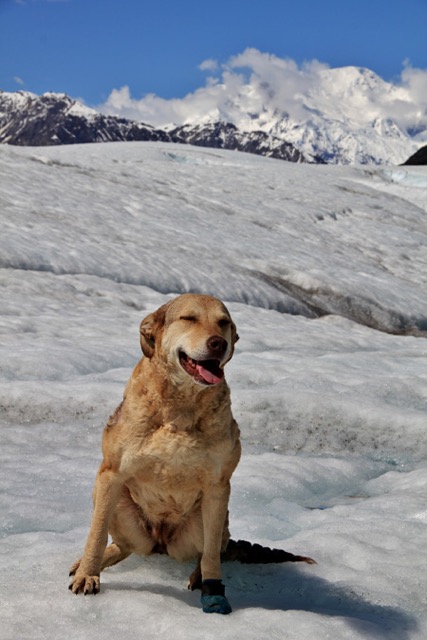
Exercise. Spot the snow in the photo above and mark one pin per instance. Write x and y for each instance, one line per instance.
(79, 109)
(331, 404)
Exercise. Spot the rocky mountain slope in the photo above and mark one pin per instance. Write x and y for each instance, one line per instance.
(53, 119)
(420, 157)
(224, 135)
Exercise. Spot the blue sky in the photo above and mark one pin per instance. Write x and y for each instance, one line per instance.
(87, 48)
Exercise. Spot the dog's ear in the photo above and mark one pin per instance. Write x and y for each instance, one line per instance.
(150, 330)
(234, 334)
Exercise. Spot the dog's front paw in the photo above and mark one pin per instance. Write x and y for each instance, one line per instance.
(213, 597)
(85, 584)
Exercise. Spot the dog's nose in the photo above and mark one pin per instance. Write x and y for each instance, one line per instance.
(217, 346)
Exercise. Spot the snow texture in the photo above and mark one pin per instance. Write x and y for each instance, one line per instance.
(324, 271)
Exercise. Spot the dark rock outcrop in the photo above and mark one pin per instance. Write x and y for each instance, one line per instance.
(419, 158)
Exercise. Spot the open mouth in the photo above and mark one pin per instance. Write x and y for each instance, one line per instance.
(203, 371)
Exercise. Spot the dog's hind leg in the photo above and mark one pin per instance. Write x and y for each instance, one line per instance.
(195, 579)
(113, 554)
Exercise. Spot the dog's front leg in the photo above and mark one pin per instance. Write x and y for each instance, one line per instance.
(107, 490)
(214, 514)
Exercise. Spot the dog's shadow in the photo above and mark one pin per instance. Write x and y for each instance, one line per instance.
(286, 588)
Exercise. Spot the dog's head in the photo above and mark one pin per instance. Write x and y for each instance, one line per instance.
(194, 334)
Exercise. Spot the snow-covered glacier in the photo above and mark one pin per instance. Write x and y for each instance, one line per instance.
(324, 271)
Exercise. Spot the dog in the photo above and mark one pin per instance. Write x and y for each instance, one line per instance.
(169, 451)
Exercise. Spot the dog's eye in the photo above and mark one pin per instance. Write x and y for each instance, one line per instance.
(189, 318)
(224, 322)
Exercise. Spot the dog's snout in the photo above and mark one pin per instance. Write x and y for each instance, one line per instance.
(217, 346)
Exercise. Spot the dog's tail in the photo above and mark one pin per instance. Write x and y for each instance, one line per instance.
(249, 553)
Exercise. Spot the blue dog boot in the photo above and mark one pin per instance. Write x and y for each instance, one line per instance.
(213, 597)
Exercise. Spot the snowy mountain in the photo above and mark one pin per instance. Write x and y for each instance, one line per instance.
(343, 115)
(324, 270)
(338, 118)
(223, 135)
(53, 119)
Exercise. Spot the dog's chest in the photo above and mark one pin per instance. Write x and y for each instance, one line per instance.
(171, 456)
(170, 471)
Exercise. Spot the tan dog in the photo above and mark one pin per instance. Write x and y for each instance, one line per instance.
(169, 451)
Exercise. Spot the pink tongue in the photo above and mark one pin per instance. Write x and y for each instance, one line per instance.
(208, 375)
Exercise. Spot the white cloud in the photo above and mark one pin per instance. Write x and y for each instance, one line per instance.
(415, 82)
(253, 83)
(18, 80)
(209, 65)
(246, 82)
